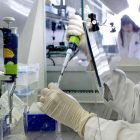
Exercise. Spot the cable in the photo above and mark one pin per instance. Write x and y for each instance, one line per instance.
(53, 37)
(74, 54)
(48, 56)
(52, 60)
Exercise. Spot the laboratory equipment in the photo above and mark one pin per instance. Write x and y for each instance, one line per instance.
(93, 28)
(10, 59)
(102, 46)
(16, 130)
(8, 20)
(72, 46)
(39, 121)
(59, 9)
(58, 49)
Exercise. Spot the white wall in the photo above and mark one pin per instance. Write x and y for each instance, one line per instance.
(37, 53)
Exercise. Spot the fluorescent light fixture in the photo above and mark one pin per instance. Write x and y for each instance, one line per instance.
(20, 8)
(19, 11)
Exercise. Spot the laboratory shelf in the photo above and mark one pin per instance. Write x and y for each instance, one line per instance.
(83, 68)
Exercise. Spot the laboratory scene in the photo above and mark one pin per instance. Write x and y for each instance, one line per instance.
(69, 69)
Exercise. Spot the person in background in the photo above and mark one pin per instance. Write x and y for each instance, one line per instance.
(129, 38)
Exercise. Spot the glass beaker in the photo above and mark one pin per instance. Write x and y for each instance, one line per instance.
(17, 129)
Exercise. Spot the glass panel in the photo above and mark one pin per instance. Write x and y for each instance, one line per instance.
(104, 51)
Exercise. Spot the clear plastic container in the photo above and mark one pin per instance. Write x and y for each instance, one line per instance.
(27, 74)
(27, 83)
(18, 128)
(28, 94)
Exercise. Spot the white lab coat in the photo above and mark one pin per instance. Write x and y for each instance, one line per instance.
(109, 130)
(125, 100)
(131, 47)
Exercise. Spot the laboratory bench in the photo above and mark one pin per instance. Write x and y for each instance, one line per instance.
(55, 135)
(58, 134)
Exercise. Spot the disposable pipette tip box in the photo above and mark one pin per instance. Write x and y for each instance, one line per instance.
(40, 122)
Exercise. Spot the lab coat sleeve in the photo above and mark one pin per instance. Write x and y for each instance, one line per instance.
(122, 95)
(126, 96)
(109, 130)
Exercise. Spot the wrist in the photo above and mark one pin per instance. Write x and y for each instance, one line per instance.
(84, 122)
(83, 130)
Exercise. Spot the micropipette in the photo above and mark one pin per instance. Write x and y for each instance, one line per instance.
(72, 46)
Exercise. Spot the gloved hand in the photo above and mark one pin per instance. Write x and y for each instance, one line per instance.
(56, 104)
(76, 28)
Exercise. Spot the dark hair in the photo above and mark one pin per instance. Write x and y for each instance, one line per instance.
(127, 20)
